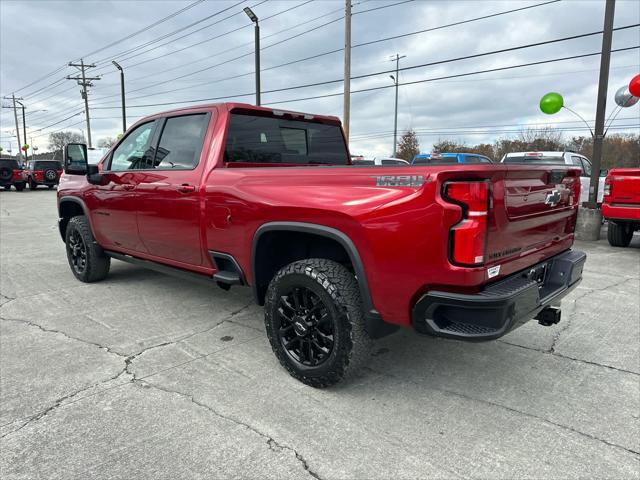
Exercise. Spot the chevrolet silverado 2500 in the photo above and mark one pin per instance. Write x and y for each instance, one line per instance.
(337, 254)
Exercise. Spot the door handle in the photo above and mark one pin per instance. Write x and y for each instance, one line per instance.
(128, 186)
(186, 188)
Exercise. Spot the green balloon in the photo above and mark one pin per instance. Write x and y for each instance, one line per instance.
(551, 103)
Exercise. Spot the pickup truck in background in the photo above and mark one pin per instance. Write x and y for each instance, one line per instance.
(448, 158)
(560, 158)
(235, 194)
(621, 205)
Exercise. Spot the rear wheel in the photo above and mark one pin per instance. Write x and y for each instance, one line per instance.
(315, 323)
(32, 185)
(19, 186)
(619, 234)
(86, 258)
(7, 187)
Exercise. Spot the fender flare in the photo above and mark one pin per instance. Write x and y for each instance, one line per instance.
(77, 201)
(376, 327)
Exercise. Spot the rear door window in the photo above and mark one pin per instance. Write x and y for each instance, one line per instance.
(577, 162)
(181, 142)
(255, 139)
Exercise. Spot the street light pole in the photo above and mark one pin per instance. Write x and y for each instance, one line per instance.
(346, 112)
(254, 18)
(124, 110)
(396, 80)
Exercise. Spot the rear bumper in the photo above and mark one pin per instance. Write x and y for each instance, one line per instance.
(501, 306)
(617, 211)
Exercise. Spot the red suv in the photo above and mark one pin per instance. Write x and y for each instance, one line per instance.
(11, 174)
(42, 172)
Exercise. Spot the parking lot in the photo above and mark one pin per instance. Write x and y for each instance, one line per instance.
(147, 375)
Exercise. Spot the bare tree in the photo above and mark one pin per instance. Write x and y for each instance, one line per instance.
(58, 140)
(106, 142)
(408, 146)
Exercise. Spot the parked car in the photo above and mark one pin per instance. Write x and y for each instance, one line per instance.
(621, 205)
(380, 161)
(42, 172)
(560, 158)
(235, 194)
(448, 158)
(11, 174)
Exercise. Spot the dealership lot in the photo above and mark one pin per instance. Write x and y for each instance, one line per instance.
(145, 374)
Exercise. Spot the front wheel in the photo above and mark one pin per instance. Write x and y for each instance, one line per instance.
(32, 185)
(86, 258)
(619, 234)
(19, 186)
(315, 323)
(50, 187)
(7, 187)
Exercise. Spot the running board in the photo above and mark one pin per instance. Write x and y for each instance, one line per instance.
(159, 267)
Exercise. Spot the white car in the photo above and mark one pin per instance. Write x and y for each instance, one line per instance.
(561, 158)
(388, 161)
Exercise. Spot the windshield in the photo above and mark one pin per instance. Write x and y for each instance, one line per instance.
(43, 164)
(541, 160)
(256, 139)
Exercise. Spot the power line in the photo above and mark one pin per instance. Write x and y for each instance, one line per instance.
(339, 80)
(63, 67)
(339, 49)
(148, 27)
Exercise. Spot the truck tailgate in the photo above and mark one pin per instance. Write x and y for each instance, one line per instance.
(531, 209)
(625, 186)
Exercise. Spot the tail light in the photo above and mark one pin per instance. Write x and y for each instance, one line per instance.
(607, 187)
(467, 239)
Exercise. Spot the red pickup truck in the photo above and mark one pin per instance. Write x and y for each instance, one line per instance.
(338, 254)
(621, 205)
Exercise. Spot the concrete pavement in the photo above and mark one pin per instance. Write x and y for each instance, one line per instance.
(147, 376)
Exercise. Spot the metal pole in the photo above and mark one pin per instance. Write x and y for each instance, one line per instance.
(15, 114)
(395, 118)
(124, 108)
(347, 68)
(86, 102)
(257, 31)
(24, 131)
(601, 104)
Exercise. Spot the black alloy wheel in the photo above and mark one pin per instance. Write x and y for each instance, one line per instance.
(306, 327)
(77, 251)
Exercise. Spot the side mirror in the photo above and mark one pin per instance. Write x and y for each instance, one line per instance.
(94, 177)
(604, 172)
(75, 159)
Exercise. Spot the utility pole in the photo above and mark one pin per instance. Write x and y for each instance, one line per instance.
(24, 131)
(601, 104)
(347, 69)
(124, 110)
(84, 82)
(15, 115)
(396, 80)
(254, 18)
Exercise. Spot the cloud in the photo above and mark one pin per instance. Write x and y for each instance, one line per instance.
(59, 32)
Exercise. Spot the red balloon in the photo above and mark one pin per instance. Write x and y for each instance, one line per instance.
(634, 86)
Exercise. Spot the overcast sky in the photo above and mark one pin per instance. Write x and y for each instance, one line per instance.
(38, 38)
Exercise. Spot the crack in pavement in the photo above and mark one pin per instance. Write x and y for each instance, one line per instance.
(513, 410)
(128, 359)
(271, 442)
(566, 357)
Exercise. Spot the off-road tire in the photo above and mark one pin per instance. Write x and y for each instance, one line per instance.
(32, 185)
(338, 290)
(7, 187)
(19, 186)
(97, 263)
(619, 234)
